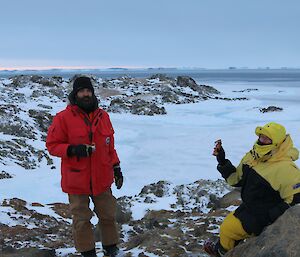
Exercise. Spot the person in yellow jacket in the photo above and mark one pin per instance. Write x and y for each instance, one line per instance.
(269, 181)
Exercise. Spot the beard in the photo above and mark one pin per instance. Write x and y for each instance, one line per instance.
(88, 103)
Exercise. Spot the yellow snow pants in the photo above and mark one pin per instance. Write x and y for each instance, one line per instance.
(231, 231)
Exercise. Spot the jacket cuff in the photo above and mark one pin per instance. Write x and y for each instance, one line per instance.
(227, 169)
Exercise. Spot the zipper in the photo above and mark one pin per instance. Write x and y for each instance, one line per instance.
(90, 135)
(90, 125)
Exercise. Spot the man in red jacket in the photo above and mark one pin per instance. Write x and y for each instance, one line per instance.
(82, 136)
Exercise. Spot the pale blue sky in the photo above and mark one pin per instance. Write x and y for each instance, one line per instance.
(142, 33)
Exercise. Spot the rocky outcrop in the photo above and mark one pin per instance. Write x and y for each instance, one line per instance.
(203, 90)
(32, 228)
(12, 124)
(148, 96)
(158, 189)
(192, 213)
(27, 252)
(22, 153)
(178, 228)
(247, 90)
(281, 239)
(271, 109)
(5, 175)
(135, 106)
(27, 107)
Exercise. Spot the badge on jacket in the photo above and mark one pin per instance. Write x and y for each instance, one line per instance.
(107, 140)
(296, 186)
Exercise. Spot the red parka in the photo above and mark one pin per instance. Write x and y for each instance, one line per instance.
(86, 175)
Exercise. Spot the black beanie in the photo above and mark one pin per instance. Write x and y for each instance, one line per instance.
(82, 82)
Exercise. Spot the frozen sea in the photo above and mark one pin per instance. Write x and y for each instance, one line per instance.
(178, 146)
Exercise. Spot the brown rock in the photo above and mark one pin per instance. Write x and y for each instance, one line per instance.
(37, 205)
(61, 209)
(232, 198)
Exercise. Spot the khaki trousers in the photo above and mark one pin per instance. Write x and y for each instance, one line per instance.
(105, 209)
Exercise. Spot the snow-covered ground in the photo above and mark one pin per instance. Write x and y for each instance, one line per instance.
(178, 146)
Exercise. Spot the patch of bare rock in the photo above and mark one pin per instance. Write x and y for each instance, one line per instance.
(177, 230)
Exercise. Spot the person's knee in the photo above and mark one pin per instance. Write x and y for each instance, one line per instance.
(81, 224)
(229, 232)
(109, 219)
(228, 225)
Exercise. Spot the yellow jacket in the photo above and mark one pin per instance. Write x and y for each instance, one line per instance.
(269, 185)
(278, 168)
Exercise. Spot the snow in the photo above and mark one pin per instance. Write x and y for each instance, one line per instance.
(5, 81)
(153, 81)
(176, 147)
(26, 91)
(6, 218)
(231, 208)
(46, 210)
(139, 209)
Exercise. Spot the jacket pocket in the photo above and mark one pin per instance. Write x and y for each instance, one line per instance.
(75, 176)
(76, 180)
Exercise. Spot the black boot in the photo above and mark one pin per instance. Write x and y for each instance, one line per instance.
(91, 253)
(110, 250)
(219, 248)
(214, 248)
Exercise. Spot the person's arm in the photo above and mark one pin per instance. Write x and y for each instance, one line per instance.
(57, 140)
(228, 171)
(118, 175)
(112, 151)
(288, 183)
(279, 209)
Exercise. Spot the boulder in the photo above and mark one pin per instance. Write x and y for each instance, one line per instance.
(204, 90)
(271, 109)
(161, 77)
(159, 189)
(185, 81)
(5, 175)
(231, 198)
(27, 252)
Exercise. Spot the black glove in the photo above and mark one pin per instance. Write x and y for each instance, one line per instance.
(118, 176)
(79, 150)
(221, 156)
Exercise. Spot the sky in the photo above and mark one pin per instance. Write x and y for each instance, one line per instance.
(143, 33)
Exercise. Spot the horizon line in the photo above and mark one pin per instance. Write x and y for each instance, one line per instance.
(45, 68)
(73, 67)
